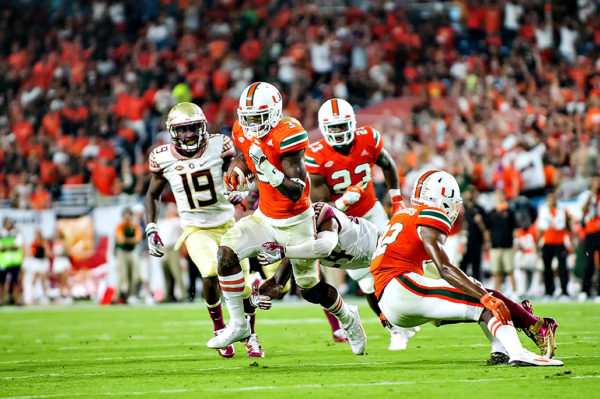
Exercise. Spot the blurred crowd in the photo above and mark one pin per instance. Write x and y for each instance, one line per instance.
(504, 94)
(507, 93)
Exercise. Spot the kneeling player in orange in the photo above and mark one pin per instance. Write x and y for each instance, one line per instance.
(407, 298)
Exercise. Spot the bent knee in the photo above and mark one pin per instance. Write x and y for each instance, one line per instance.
(307, 283)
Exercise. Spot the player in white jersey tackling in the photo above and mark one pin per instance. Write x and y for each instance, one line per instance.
(342, 241)
(193, 165)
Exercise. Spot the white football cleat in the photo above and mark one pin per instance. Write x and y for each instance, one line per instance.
(228, 335)
(527, 358)
(399, 337)
(355, 332)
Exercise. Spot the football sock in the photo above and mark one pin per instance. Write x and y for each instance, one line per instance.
(507, 335)
(233, 289)
(333, 321)
(496, 344)
(521, 317)
(252, 319)
(216, 315)
(340, 310)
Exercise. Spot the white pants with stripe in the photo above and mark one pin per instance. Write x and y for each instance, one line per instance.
(411, 300)
(248, 234)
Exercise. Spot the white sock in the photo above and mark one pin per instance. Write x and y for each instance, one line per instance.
(340, 310)
(233, 289)
(507, 335)
(496, 344)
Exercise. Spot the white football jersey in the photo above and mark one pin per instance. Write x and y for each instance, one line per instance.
(196, 182)
(357, 238)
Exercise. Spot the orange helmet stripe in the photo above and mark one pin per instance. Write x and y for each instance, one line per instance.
(334, 107)
(421, 180)
(250, 96)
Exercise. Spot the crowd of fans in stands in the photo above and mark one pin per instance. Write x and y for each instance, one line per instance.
(83, 85)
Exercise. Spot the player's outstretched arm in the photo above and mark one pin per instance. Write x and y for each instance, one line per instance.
(392, 180)
(321, 247)
(319, 191)
(152, 203)
(433, 241)
(273, 287)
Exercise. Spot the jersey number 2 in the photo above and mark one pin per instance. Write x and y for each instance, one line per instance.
(390, 235)
(344, 174)
(198, 186)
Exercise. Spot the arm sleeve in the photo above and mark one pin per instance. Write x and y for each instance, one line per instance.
(314, 249)
(296, 138)
(311, 162)
(154, 166)
(378, 139)
(435, 218)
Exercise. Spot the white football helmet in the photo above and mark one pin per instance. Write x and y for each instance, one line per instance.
(337, 122)
(440, 190)
(187, 126)
(260, 109)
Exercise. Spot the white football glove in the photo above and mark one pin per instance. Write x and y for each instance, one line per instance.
(236, 197)
(264, 167)
(270, 253)
(351, 196)
(257, 155)
(155, 243)
(260, 301)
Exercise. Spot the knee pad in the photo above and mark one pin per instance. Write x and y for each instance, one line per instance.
(314, 294)
(307, 283)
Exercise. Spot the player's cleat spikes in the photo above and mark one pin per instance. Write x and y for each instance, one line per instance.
(339, 335)
(253, 347)
(527, 358)
(228, 335)
(355, 332)
(497, 359)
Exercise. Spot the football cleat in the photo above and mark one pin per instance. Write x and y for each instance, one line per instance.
(339, 335)
(228, 335)
(542, 333)
(497, 359)
(226, 352)
(527, 358)
(355, 332)
(253, 347)
(399, 337)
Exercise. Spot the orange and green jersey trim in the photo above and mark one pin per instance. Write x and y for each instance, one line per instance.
(445, 293)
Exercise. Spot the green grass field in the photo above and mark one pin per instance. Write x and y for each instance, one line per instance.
(89, 351)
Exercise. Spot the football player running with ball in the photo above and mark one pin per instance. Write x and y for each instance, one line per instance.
(340, 167)
(407, 298)
(193, 165)
(274, 152)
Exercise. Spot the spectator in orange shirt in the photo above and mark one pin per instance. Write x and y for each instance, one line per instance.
(103, 177)
(553, 223)
(40, 198)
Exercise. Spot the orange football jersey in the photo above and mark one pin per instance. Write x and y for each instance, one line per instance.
(341, 171)
(400, 250)
(286, 137)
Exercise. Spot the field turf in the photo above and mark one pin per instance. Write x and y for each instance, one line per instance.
(159, 352)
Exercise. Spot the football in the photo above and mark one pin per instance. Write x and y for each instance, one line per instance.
(239, 168)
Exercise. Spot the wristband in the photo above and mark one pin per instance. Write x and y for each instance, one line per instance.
(150, 227)
(395, 192)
